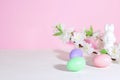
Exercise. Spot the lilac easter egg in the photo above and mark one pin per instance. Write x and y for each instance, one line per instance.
(76, 53)
(102, 61)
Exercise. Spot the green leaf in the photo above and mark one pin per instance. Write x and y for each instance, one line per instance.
(103, 51)
(89, 32)
(91, 29)
(57, 34)
(59, 27)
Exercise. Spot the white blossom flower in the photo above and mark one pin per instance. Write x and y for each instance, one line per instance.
(95, 34)
(67, 35)
(87, 48)
(78, 43)
(78, 36)
(114, 52)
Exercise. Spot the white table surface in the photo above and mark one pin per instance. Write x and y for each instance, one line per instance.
(48, 65)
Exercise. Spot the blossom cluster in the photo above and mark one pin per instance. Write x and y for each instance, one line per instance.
(88, 40)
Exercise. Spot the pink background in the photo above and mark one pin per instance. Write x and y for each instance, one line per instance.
(28, 24)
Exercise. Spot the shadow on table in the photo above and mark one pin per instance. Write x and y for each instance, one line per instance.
(61, 67)
(89, 61)
(62, 55)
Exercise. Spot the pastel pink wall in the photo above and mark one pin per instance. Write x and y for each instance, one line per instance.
(27, 24)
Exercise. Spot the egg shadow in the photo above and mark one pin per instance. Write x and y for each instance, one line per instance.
(89, 61)
(61, 67)
(62, 55)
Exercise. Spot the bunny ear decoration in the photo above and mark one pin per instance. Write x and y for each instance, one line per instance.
(112, 27)
(109, 27)
(106, 27)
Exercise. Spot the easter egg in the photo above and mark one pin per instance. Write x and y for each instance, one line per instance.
(75, 53)
(101, 61)
(76, 64)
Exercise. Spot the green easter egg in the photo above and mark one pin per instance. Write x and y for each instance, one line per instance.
(76, 64)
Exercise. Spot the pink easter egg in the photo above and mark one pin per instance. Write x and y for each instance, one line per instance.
(101, 61)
